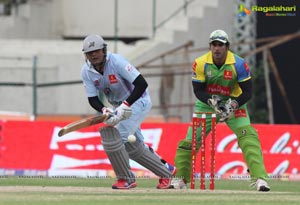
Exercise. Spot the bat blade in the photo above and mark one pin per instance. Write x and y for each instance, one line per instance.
(86, 122)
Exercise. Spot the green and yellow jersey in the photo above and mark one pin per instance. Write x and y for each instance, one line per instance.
(221, 81)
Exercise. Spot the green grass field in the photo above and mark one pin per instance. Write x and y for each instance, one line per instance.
(88, 191)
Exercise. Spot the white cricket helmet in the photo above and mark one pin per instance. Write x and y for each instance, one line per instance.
(93, 42)
(219, 35)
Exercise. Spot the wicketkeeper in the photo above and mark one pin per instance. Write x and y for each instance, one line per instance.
(222, 84)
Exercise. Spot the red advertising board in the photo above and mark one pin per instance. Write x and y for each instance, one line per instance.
(33, 146)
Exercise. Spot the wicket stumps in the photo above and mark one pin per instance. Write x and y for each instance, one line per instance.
(196, 123)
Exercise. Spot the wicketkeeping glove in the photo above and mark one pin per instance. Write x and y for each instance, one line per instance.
(227, 109)
(215, 102)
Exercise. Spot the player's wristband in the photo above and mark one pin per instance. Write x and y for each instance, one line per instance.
(126, 103)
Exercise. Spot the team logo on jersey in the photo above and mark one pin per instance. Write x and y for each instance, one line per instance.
(247, 67)
(218, 89)
(129, 68)
(194, 66)
(96, 83)
(227, 74)
(194, 75)
(112, 79)
(106, 91)
(194, 70)
(209, 74)
(240, 113)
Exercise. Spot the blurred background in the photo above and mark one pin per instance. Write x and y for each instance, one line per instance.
(41, 58)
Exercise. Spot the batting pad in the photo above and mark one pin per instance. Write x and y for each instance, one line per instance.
(250, 145)
(183, 163)
(141, 154)
(115, 150)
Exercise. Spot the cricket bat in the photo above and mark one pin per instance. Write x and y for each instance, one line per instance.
(86, 122)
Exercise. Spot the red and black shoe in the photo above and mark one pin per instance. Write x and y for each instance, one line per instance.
(123, 184)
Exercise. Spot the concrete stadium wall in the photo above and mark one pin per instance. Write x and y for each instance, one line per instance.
(60, 61)
(55, 19)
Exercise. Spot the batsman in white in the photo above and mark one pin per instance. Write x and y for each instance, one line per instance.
(126, 91)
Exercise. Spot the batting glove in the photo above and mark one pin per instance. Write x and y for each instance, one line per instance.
(107, 111)
(124, 111)
(112, 120)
